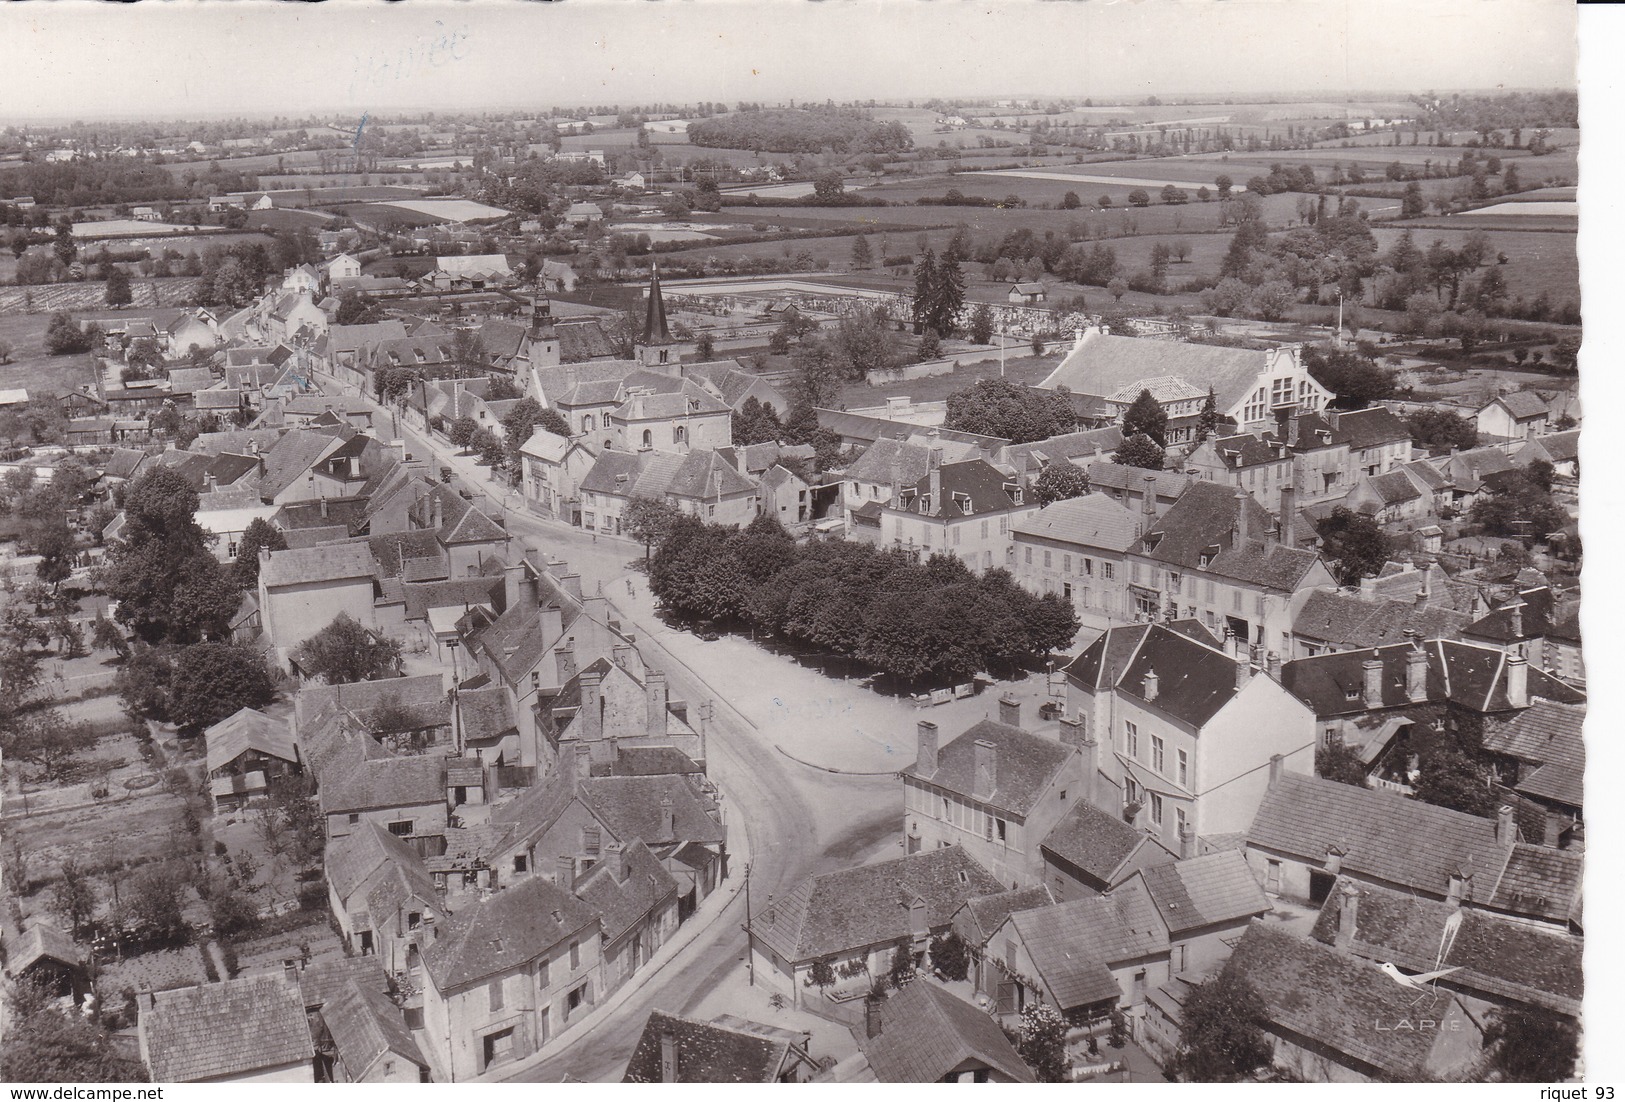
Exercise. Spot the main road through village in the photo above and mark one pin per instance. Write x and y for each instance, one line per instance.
(798, 819)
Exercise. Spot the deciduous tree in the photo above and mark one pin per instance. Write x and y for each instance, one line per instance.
(1139, 450)
(1058, 481)
(1221, 1038)
(1354, 543)
(346, 651)
(211, 681)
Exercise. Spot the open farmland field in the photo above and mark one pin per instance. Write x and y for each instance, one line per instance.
(90, 296)
(30, 367)
(275, 220)
(1525, 223)
(388, 217)
(1536, 262)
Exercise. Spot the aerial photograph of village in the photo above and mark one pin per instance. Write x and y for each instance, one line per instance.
(1026, 543)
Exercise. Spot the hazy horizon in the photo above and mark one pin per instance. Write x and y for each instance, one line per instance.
(257, 59)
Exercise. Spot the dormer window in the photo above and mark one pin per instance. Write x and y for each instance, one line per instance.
(925, 504)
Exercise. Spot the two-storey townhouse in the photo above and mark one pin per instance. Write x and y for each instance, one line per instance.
(675, 421)
(382, 897)
(701, 483)
(1079, 548)
(553, 467)
(966, 510)
(508, 974)
(996, 790)
(1185, 731)
(1215, 556)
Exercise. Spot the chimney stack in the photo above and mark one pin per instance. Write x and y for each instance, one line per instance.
(1506, 829)
(656, 692)
(1242, 535)
(592, 708)
(1009, 710)
(564, 658)
(1272, 662)
(935, 469)
(323, 504)
(436, 515)
(1187, 843)
(987, 770)
(1091, 767)
(1244, 668)
(565, 877)
(668, 1056)
(1071, 732)
(871, 1015)
(1517, 618)
(1289, 508)
(1371, 675)
(925, 754)
(619, 653)
(615, 858)
(1416, 670)
(1275, 767)
(1517, 681)
(1148, 686)
(581, 761)
(668, 820)
(1349, 916)
(1461, 887)
(1148, 498)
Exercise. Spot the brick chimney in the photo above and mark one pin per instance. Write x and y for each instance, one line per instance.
(925, 753)
(1371, 679)
(615, 859)
(1244, 668)
(1289, 512)
(987, 770)
(668, 820)
(1506, 829)
(656, 696)
(1275, 767)
(1348, 916)
(1517, 681)
(564, 658)
(1187, 843)
(513, 584)
(871, 1015)
(1416, 670)
(1148, 686)
(592, 708)
(581, 761)
(935, 474)
(1242, 534)
(668, 1056)
(565, 876)
(1009, 710)
(1148, 499)
(1272, 662)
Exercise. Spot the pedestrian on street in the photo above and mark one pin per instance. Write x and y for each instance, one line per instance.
(629, 591)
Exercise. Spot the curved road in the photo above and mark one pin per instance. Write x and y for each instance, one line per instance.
(799, 820)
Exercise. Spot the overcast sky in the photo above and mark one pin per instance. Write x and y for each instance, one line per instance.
(73, 57)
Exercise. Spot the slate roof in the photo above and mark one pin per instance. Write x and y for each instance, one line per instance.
(706, 1052)
(1205, 891)
(869, 905)
(1105, 364)
(1543, 732)
(249, 729)
(969, 487)
(1194, 680)
(1097, 842)
(1541, 883)
(622, 904)
(1332, 999)
(1093, 520)
(629, 808)
(324, 563)
(1378, 833)
(1025, 766)
(1201, 524)
(504, 932)
(1345, 621)
(1498, 957)
(485, 713)
(347, 511)
(1073, 945)
(1394, 488)
(1369, 427)
(883, 458)
(1536, 613)
(927, 1032)
(225, 1029)
(1522, 404)
(689, 399)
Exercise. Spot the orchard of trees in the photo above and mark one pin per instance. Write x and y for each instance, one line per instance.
(929, 620)
(800, 131)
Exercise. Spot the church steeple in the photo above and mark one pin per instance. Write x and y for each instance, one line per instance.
(654, 324)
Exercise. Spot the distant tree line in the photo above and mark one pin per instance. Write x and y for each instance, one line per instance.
(800, 131)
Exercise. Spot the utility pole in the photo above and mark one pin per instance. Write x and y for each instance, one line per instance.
(750, 963)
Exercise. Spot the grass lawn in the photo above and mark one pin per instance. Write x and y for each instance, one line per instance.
(30, 367)
(1028, 369)
(1535, 261)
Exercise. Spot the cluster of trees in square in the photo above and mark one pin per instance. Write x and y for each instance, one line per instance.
(795, 130)
(910, 619)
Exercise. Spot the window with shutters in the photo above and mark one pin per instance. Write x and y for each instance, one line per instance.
(590, 841)
(1184, 767)
(1156, 808)
(1108, 571)
(1131, 739)
(1047, 562)
(575, 955)
(1066, 564)
(1028, 552)
(1157, 753)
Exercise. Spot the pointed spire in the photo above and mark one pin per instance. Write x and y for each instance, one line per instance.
(654, 325)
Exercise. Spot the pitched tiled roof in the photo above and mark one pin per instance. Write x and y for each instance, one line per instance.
(248, 729)
(1345, 621)
(1541, 883)
(322, 980)
(367, 1026)
(928, 1032)
(348, 511)
(485, 713)
(1103, 660)
(1106, 364)
(1200, 524)
(1497, 957)
(614, 472)
(1543, 732)
(1383, 836)
(869, 905)
(324, 563)
(1536, 608)
(1557, 783)
(1206, 890)
(42, 940)
(622, 904)
(707, 1052)
(356, 780)
(1370, 427)
(1332, 999)
(355, 858)
(1394, 488)
(391, 551)
(630, 809)
(1025, 765)
(885, 458)
(505, 932)
(1098, 842)
(1093, 520)
(1523, 404)
(860, 427)
(291, 458)
(989, 911)
(1072, 945)
(225, 1029)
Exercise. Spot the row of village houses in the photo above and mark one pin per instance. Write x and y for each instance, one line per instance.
(1158, 764)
